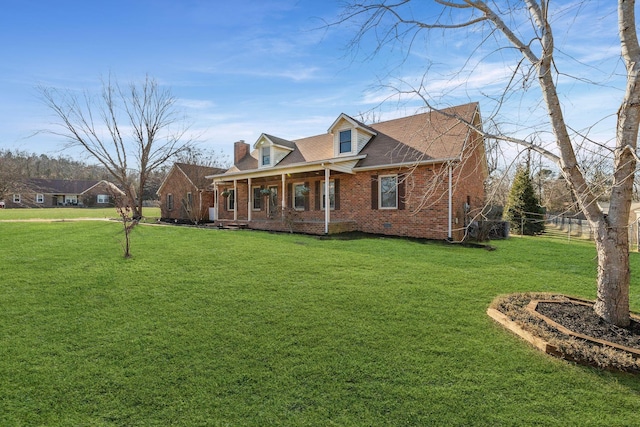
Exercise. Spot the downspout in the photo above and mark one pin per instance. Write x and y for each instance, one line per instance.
(450, 207)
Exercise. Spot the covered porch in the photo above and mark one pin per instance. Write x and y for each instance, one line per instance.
(305, 199)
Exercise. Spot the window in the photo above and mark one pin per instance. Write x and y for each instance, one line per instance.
(332, 194)
(257, 198)
(103, 198)
(16, 198)
(39, 198)
(231, 200)
(345, 141)
(169, 201)
(388, 192)
(265, 156)
(71, 200)
(299, 195)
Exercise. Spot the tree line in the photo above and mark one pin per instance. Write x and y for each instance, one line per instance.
(16, 166)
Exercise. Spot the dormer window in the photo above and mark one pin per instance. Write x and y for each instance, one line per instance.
(265, 156)
(345, 141)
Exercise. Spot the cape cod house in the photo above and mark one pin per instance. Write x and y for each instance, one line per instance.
(418, 176)
(47, 193)
(186, 194)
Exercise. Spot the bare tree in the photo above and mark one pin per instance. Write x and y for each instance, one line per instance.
(11, 175)
(522, 34)
(131, 131)
(125, 212)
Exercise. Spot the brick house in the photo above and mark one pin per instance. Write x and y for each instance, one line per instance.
(47, 193)
(186, 194)
(417, 176)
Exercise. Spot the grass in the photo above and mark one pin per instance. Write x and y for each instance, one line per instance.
(67, 213)
(224, 328)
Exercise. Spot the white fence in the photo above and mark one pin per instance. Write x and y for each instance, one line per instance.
(575, 228)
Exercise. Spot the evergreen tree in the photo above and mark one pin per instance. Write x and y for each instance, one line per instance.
(523, 208)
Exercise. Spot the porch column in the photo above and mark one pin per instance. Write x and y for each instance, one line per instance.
(249, 199)
(327, 204)
(235, 199)
(284, 196)
(215, 202)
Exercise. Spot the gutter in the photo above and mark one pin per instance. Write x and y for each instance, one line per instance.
(406, 164)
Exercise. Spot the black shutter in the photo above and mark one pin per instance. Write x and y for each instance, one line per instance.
(289, 196)
(401, 191)
(374, 192)
(336, 191)
(306, 196)
(318, 202)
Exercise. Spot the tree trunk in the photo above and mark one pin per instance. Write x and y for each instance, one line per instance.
(612, 304)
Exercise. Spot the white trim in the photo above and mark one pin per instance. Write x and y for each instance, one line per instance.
(39, 198)
(261, 156)
(353, 123)
(405, 164)
(253, 198)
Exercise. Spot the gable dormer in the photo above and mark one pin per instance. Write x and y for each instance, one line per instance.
(349, 136)
(271, 150)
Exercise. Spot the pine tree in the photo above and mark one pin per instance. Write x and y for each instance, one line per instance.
(523, 208)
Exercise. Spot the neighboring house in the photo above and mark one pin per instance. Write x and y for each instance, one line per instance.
(47, 193)
(418, 176)
(186, 193)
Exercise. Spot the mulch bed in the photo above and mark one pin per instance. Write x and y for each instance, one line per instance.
(569, 328)
(584, 320)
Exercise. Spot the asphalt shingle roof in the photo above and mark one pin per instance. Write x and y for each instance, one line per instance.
(425, 136)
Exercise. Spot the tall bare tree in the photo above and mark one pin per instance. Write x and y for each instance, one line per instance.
(131, 131)
(521, 33)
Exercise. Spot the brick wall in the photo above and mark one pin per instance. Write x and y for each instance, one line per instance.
(178, 185)
(422, 212)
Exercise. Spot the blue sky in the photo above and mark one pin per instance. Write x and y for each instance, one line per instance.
(246, 67)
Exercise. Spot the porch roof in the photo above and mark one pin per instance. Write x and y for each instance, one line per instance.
(342, 164)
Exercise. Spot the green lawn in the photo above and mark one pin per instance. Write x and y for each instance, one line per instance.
(67, 213)
(206, 327)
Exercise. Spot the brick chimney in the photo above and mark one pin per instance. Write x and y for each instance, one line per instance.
(240, 149)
